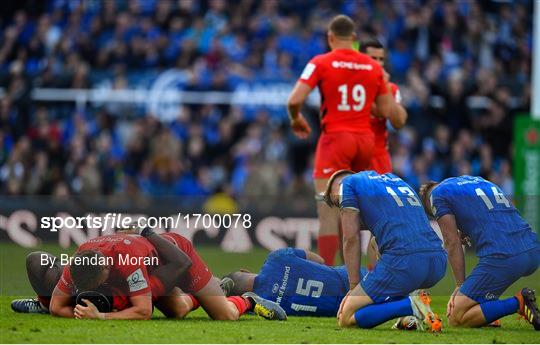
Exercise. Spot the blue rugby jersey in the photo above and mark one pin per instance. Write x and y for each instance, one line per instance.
(391, 211)
(300, 286)
(485, 214)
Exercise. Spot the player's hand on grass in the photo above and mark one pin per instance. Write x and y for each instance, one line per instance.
(90, 311)
(300, 127)
(450, 305)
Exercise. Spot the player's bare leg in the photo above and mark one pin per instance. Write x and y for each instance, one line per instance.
(469, 313)
(215, 303)
(176, 305)
(219, 307)
(354, 300)
(466, 312)
(328, 239)
(43, 279)
(358, 309)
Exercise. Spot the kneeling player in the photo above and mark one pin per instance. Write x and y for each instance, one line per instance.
(412, 256)
(505, 244)
(297, 280)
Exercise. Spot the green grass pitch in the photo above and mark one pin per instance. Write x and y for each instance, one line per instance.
(197, 328)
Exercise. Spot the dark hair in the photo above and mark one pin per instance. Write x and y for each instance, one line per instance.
(86, 272)
(371, 42)
(424, 193)
(327, 197)
(342, 26)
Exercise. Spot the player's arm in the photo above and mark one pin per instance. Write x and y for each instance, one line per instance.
(373, 251)
(296, 99)
(294, 105)
(61, 304)
(173, 264)
(384, 101)
(398, 117)
(314, 257)
(350, 220)
(141, 309)
(384, 105)
(452, 243)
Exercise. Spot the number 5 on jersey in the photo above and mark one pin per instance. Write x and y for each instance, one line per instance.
(315, 285)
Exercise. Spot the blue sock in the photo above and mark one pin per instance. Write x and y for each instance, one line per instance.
(494, 310)
(375, 314)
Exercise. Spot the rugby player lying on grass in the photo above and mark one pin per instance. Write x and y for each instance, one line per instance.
(301, 283)
(505, 244)
(44, 278)
(197, 280)
(296, 279)
(412, 256)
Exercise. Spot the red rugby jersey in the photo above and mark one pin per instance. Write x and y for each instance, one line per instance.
(349, 82)
(129, 279)
(378, 125)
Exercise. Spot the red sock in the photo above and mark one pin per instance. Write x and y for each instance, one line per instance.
(45, 301)
(241, 303)
(328, 246)
(196, 303)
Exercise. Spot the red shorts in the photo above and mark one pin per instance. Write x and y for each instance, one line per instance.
(381, 162)
(343, 150)
(198, 274)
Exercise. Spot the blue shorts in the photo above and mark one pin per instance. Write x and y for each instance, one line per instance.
(396, 276)
(493, 275)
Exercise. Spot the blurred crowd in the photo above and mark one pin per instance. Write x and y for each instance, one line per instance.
(463, 68)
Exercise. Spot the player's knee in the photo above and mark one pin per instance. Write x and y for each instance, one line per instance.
(456, 318)
(33, 261)
(227, 314)
(346, 320)
(180, 310)
(454, 321)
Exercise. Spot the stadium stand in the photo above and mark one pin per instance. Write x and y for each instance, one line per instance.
(463, 68)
